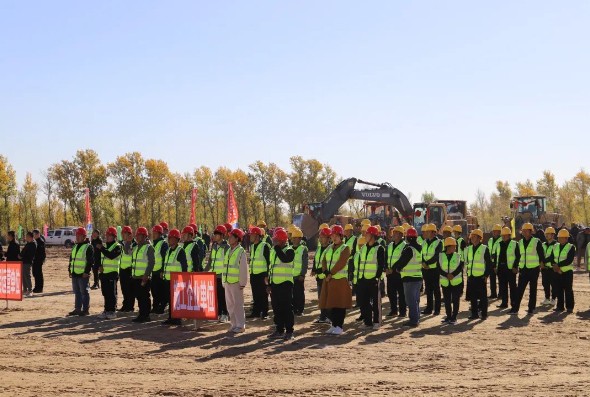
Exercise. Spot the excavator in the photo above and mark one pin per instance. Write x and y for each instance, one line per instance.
(444, 213)
(386, 204)
(532, 209)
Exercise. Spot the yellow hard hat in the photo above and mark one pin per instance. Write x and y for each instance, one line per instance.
(450, 241)
(348, 226)
(365, 227)
(477, 232)
(362, 240)
(550, 230)
(365, 222)
(506, 231)
(563, 233)
(324, 226)
(296, 233)
(432, 228)
(378, 228)
(406, 225)
(528, 226)
(291, 228)
(424, 228)
(261, 224)
(447, 229)
(497, 228)
(398, 229)
(458, 229)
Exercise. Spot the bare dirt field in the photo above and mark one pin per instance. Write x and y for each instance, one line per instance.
(44, 353)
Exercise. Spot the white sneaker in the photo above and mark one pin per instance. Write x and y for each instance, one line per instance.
(546, 302)
(331, 330)
(103, 315)
(111, 316)
(337, 331)
(376, 326)
(223, 318)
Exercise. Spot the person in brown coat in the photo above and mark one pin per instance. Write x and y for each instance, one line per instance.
(336, 294)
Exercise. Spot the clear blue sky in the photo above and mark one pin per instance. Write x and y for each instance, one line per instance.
(447, 96)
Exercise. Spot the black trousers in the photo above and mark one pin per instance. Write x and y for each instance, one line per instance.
(324, 313)
(165, 296)
(127, 288)
(221, 305)
(282, 306)
(298, 296)
(548, 282)
(38, 275)
(157, 290)
(368, 296)
(108, 287)
(338, 316)
(142, 292)
(565, 283)
(259, 294)
(432, 289)
(452, 296)
(493, 285)
(395, 293)
(528, 276)
(96, 275)
(479, 295)
(507, 286)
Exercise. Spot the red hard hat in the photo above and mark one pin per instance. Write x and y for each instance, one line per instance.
(373, 231)
(174, 233)
(141, 231)
(81, 232)
(164, 225)
(188, 230)
(337, 229)
(411, 232)
(237, 233)
(127, 229)
(158, 229)
(281, 235)
(228, 227)
(256, 230)
(326, 232)
(220, 230)
(112, 231)
(195, 228)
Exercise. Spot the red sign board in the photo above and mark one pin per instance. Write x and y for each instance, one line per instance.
(11, 281)
(193, 295)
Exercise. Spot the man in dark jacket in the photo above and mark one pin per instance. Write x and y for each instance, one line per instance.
(27, 256)
(96, 241)
(38, 262)
(13, 249)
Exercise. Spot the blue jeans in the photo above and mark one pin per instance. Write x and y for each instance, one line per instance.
(81, 288)
(412, 294)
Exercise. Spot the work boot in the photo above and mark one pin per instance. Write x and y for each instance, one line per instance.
(75, 312)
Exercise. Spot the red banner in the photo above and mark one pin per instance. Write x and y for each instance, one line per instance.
(11, 281)
(232, 207)
(193, 205)
(193, 295)
(88, 211)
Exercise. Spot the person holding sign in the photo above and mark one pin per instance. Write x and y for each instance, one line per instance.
(174, 261)
(235, 278)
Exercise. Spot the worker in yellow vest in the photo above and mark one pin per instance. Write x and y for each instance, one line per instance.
(267, 239)
(218, 252)
(431, 248)
(493, 242)
(372, 265)
(458, 235)
(160, 249)
(318, 273)
(409, 266)
(507, 259)
(531, 257)
(79, 268)
(547, 272)
(450, 268)
(259, 260)
(109, 272)
(300, 264)
(142, 263)
(235, 278)
(193, 254)
(395, 286)
(174, 261)
(563, 256)
(125, 278)
(479, 265)
(280, 286)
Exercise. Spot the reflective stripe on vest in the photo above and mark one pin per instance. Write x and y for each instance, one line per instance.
(393, 255)
(459, 249)
(111, 265)
(476, 264)
(368, 265)
(78, 258)
(332, 257)
(510, 254)
(231, 266)
(298, 261)
(158, 256)
(429, 250)
(529, 257)
(548, 249)
(319, 255)
(562, 252)
(126, 259)
(217, 256)
(449, 266)
(189, 259)
(257, 260)
(493, 245)
(414, 267)
(280, 272)
(171, 264)
(140, 260)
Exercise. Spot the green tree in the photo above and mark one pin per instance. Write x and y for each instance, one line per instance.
(8, 190)
(547, 186)
(581, 184)
(428, 197)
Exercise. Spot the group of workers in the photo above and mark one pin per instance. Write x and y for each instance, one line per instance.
(354, 259)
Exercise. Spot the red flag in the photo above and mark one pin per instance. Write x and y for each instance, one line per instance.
(193, 204)
(232, 207)
(88, 212)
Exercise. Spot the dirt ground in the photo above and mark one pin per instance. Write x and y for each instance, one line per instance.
(44, 353)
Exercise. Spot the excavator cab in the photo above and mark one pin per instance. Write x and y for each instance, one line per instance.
(420, 210)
